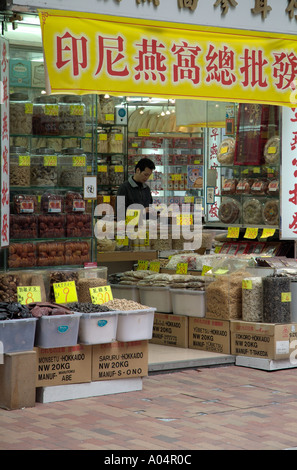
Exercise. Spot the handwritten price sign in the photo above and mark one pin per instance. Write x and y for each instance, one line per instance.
(28, 294)
(251, 232)
(100, 295)
(181, 268)
(142, 264)
(233, 232)
(65, 292)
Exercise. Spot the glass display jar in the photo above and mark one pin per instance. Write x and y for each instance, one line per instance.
(72, 116)
(73, 167)
(102, 141)
(19, 168)
(20, 113)
(102, 171)
(45, 116)
(44, 167)
(115, 141)
(116, 172)
(105, 113)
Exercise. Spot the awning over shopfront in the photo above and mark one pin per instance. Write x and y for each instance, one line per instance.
(89, 53)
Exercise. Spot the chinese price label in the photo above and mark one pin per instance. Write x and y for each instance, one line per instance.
(100, 295)
(155, 266)
(251, 232)
(143, 132)
(205, 269)
(268, 232)
(24, 160)
(142, 264)
(185, 219)
(247, 284)
(233, 232)
(131, 215)
(286, 297)
(181, 268)
(28, 294)
(65, 292)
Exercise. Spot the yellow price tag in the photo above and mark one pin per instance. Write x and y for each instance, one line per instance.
(147, 239)
(131, 215)
(118, 169)
(189, 199)
(268, 232)
(118, 137)
(78, 161)
(251, 232)
(102, 169)
(233, 232)
(286, 297)
(28, 108)
(109, 117)
(142, 264)
(217, 249)
(28, 294)
(76, 110)
(50, 160)
(155, 266)
(256, 170)
(247, 284)
(205, 269)
(100, 295)
(185, 219)
(65, 292)
(24, 160)
(102, 136)
(181, 268)
(51, 110)
(143, 132)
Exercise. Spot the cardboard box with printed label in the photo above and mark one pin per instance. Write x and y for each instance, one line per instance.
(209, 334)
(62, 366)
(120, 360)
(263, 340)
(171, 330)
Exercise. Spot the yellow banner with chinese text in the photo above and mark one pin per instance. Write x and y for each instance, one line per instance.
(90, 53)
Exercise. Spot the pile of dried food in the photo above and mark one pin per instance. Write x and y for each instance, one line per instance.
(13, 311)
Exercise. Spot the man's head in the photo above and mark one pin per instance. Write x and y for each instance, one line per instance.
(143, 170)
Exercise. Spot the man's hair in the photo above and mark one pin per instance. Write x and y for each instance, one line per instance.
(145, 163)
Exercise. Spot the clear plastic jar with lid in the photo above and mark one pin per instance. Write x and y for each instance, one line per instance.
(102, 141)
(102, 171)
(44, 167)
(105, 113)
(115, 141)
(19, 168)
(116, 172)
(46, 116)
(20, 113)
(73, 167)
(72, 116)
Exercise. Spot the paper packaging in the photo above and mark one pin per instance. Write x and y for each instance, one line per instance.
(171, 330)
(209, 334)
(264, 340)
(120, 360)
(37, 74)
(19, 72)
(62, 366)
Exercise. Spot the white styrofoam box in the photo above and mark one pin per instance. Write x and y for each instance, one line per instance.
(264, 363)
(17, 335)
(135, 325)
(86, 390)
(54, 331)
(121, 291)
(98, 327)
(156, 297)
(188, 302)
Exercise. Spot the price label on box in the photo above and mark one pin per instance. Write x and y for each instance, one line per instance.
(24, 160)
(100, 295)
(286, 297)
(268, 232)
(181, 268)
(205, 269)
(233, 232)
(65, 292)
(143, 132)
(247, 284)
(142, 264)
(28, 294)
(155, 266)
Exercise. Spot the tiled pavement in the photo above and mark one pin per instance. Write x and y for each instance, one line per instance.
(222, 408)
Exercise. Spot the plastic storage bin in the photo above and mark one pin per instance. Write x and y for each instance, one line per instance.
(188, 302)
(120, 291)
(156, 297)
(135, 325)
(98, 327)
(17, 335)
(55, 331)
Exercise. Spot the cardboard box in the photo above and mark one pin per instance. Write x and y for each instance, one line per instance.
(209, 334)
(171, 330)
(17, 380)
(62, 366)
(263, 340)
(120, 360)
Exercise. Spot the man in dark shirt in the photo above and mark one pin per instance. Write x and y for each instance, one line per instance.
(135, 190)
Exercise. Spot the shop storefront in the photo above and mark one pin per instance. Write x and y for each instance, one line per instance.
(211, 103)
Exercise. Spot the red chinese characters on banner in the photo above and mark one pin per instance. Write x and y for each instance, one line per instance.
(4, 116)
(293, 190)
(152, 59)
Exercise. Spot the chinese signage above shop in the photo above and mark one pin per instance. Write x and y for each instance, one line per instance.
(100, 54)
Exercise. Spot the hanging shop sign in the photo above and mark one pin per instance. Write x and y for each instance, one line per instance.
(4, 116)
(88, 53)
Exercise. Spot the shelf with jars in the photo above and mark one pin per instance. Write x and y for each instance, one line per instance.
(246, 189)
